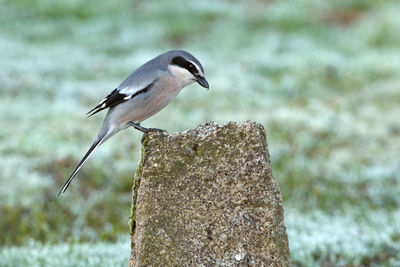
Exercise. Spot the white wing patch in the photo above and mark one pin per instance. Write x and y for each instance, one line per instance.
(119, 96)
(131, 90)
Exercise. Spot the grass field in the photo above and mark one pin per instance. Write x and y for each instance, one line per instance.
(323, 77)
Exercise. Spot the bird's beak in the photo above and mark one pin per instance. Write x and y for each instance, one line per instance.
(202, 81)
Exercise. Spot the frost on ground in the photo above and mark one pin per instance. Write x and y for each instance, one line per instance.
(343, 239)
(85, 255)
(321, 76)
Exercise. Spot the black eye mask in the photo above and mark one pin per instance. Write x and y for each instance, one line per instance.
(183, 63)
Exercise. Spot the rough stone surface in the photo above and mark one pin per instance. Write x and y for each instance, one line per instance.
(207, 197)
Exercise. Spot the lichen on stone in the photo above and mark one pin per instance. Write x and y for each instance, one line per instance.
(207, 196)
(136, 184)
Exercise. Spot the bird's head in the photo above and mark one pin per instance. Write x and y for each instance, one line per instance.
(186, 68)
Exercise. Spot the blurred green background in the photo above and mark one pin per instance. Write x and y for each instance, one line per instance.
(323, 77)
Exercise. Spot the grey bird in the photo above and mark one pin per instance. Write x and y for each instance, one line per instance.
(142, 94)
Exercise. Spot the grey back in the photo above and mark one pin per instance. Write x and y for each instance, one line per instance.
(154, 68)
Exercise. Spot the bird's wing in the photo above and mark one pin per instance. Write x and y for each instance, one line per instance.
(138, 82)
(120, 95)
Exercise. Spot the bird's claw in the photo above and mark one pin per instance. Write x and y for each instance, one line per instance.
(156, 130)
(144, 130)
(137, 126)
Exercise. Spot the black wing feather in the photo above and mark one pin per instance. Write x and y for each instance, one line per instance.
(115, 98)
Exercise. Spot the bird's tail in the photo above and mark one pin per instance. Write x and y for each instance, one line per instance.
(87, 155)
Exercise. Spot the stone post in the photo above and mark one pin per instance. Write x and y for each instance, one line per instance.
(207, 197)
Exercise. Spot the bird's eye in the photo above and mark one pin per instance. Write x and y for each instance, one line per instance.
(193, 69)
(181, 62)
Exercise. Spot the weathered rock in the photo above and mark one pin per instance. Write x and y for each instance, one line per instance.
(207, 197)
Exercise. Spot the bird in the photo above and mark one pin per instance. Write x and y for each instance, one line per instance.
(145, 92)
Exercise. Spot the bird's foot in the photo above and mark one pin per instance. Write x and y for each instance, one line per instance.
(144, 130)
(156, 130)
(137, 126)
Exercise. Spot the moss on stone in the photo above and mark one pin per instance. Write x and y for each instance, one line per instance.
(136, 185)
(208, 197)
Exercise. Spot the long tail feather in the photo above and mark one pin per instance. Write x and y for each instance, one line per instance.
(90, 151)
